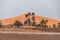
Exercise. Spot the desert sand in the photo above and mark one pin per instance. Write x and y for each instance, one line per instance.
(28, 37)
(22, 18)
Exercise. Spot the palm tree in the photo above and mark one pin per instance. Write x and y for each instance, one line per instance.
(33, 13)
(54, 26)
(33, 18)
(46, 23)
(29, 22)
(42, 23)
(26, 15)
(10, 25)
(38, 25)
(46, 20)
(29, 13)
(59, 25)
(28, 19)
(18, 24)
(25, 22)
(33, 23)
(0, 23)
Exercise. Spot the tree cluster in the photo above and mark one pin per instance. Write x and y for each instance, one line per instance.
(30, 21)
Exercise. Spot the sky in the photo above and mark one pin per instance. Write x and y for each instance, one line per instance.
(46, 8)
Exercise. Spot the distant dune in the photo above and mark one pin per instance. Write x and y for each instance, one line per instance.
(22, 18)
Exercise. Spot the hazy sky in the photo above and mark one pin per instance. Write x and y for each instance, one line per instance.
(46, 8)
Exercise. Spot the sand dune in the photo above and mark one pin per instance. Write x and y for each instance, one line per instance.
(22, 18)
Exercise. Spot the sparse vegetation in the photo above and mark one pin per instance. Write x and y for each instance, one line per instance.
(0, 24)
(58, 25)
(17, 24)
(31, 21)
(54, 26)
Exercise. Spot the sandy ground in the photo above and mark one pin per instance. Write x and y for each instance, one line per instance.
(31, 29)
(19, 35)
(14, 36)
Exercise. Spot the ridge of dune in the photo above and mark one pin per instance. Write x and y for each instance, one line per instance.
(12, 20)
(22, 18)
(50, 20)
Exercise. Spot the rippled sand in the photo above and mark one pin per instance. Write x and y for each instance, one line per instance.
(14, 36)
